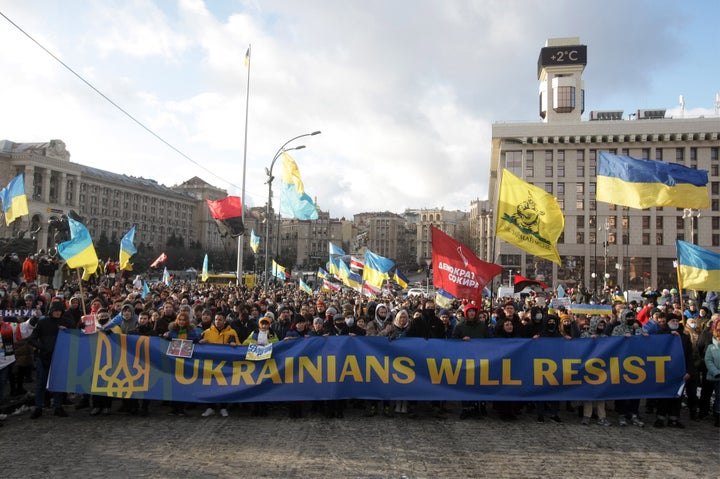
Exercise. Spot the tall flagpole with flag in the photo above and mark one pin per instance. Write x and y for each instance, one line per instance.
(241, 238)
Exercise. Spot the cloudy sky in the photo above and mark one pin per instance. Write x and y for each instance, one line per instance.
(405, 92)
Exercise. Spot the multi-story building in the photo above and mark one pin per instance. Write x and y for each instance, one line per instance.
(453, 223)
(109, 203)
(481, 229)
(602, 244)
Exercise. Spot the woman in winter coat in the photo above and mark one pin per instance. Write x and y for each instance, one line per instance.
(712, 362)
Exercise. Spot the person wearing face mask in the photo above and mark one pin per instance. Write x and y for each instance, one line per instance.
(550, 329)
(627, 409)
(712, 364)
(597, 329)
(669, 408)
(694, 382)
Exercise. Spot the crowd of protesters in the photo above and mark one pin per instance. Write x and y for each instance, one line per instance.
(239, 316)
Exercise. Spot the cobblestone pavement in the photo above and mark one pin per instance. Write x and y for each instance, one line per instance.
(119, 445)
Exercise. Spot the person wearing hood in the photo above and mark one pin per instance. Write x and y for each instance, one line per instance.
(628, 409)
(475, 325)
(669, 408)
(379, 321)
(123, 322)
(43, 338)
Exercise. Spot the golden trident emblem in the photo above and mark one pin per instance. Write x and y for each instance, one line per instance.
(113, 375)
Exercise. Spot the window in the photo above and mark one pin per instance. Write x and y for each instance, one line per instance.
(658, 154)
(715, 187)
(716, 240)
(646, 223)
(561, 164)
(565, 99)
(580, 204)
(646, 153)
(612, 221)
(579, 237)
(580, 222)
(679, 154)
(529, 164)
(646, 238)
(716, 222)
(580, 164)
(561, 189)
(548, 164)
(593, 163)
(625, 221)
(580, 189)
(513, 162)
(549, 188)
(659, 222)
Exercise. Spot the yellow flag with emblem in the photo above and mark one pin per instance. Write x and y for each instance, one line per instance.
(529, 217)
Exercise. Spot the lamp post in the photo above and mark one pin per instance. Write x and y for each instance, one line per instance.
(270, 179)
(428, 262)
(692, 214)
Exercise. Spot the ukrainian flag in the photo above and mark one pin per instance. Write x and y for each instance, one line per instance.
(278, 271)
(376, 269)
(627, 181)
(14, 200)
(443, 299)
(79, 252)
(127, 249)
(305, 287)
(205, 273)
(698, 268)
(333, 266)
(400, 279)
(322, 274)
(254, 241)
(349, 278)
(294, 202)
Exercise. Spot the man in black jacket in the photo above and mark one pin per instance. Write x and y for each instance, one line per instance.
(43, 340)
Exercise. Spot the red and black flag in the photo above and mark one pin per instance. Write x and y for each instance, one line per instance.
(228, 215)
(521, 283)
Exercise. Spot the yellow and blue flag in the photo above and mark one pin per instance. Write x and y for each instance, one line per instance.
(79, 251)
(127, 249)
(376, 268)
(166, 277)
(349, 277)
(278, 271)
(698, 268)
(333, 266)
(146, 289)
(443, 299)
(628, 181)
(205, 273)
(400, 279)
(254, 241)
(14, 200)
(305, 287)
(294, 202)
(529, 217)
(322, 274)
(335, 250)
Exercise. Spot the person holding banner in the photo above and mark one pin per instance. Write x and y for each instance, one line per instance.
(670, 407)
(181, 328)
(219, 333)
(628, 409)
(475, 326)
(551, 329)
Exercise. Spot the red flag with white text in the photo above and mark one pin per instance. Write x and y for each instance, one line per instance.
(457, 270)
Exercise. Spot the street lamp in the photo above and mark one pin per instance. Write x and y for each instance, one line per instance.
(270, 179)
(692, 214)
(428, 262)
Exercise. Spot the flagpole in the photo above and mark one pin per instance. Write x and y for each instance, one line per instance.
(240, 247)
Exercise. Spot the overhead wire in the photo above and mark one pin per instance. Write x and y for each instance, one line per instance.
(113, 103)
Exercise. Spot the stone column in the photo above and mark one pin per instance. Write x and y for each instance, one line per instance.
(46, 186)
(62, 189)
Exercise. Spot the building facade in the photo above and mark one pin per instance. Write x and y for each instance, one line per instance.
(109, 203)
(602, 244)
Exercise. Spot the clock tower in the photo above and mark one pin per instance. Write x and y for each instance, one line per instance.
(562, 92)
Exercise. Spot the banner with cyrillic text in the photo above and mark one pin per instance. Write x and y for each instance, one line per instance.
(344, 367)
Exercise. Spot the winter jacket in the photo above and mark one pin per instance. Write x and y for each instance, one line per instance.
(225, 335)
(712, 361)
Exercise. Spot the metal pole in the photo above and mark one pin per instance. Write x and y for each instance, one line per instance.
(241, 238)
(269, 203)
